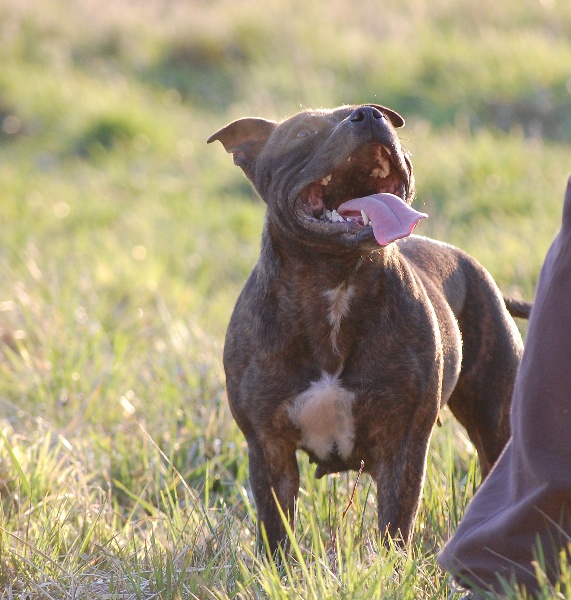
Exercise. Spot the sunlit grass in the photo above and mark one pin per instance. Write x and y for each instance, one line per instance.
(125, 239)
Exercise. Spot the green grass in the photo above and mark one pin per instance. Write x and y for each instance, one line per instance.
(125, 239)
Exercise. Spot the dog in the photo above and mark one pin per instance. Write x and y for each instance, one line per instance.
(350, 333)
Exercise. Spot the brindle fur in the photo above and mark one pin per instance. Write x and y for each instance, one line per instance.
(423, 325)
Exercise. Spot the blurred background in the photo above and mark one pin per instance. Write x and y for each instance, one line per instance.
(125, 239)
(105, 108)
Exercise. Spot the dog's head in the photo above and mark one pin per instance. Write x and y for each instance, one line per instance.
(309, 167)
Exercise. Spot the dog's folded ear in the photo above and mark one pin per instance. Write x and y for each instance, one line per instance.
(393, 116)
(245, 138)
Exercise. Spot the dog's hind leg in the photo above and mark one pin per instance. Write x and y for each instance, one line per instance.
(482, 397)
(491, 351)
(274, 474)
(485, 416)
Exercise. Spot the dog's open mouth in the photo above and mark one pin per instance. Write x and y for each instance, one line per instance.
(364, 194)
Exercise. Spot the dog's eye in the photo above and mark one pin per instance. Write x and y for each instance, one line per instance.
(304, 133)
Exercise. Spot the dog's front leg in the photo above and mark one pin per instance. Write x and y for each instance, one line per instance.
(274, 473)
(400, 477)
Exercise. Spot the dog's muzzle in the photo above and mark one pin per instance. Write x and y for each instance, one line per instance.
(366, 193)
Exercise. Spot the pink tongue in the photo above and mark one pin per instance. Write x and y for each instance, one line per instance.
(391, 218)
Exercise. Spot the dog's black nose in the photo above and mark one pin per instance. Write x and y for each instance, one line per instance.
(365, 112)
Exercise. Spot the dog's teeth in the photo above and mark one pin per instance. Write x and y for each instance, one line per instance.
(332, 216)
(336, 217)
(326, 180)
(349, 159)
(366, 220)
(383, 169)
(388, 150)
(383, 165)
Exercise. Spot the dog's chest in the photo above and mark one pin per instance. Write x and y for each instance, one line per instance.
(338, 305)
(324, 411)
(324, 415)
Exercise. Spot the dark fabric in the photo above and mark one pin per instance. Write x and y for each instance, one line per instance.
(526, 498)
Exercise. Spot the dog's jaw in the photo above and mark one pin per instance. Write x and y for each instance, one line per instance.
(350, 159)
(366, 171)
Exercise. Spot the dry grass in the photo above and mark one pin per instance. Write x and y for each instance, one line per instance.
(125, 241)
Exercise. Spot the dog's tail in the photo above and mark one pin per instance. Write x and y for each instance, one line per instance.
(518, 308)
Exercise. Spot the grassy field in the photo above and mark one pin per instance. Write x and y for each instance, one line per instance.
(124, 242)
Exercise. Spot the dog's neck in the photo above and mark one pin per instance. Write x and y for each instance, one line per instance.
(336, 264)
(326, 294)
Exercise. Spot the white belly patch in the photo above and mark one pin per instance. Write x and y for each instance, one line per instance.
(324, 415)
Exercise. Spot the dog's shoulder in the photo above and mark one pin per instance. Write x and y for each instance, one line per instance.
(452, 270)
(417, 246)
(433, 255)
(443, 268)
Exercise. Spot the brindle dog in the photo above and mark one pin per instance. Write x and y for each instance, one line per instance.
(344, 342)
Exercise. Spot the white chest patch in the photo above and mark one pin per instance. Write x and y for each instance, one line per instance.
(339, 302)
(324, 415)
